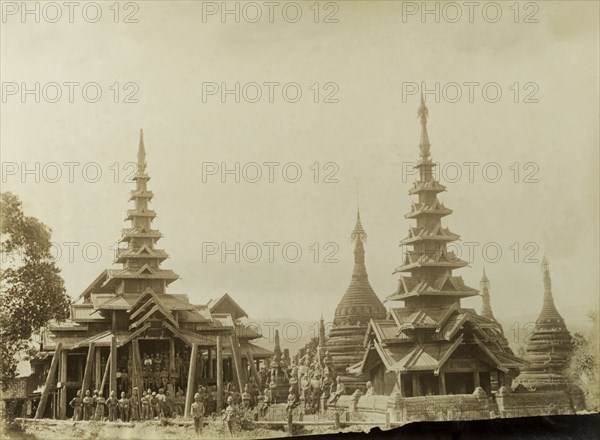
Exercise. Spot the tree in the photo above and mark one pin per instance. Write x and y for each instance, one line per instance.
(32, 291)
(583, 368)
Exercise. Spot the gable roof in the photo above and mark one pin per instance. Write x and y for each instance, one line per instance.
(226, 304)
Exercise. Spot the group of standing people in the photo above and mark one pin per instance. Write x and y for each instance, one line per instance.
(158, 371)
(149, 406)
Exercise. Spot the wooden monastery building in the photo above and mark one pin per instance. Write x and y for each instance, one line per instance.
(126, 330)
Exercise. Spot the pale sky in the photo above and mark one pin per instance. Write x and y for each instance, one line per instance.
(370, 134)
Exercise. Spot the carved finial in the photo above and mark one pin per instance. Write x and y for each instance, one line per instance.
(484, 278)
(545, 265)
(358, 233)
(486, 306)
(141, 156)
(423, 114)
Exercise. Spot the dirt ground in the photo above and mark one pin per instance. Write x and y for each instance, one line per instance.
(66, 430)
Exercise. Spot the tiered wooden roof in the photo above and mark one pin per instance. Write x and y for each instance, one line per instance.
(429, 263)
(132, 301)
(432, 327)
(441, 331)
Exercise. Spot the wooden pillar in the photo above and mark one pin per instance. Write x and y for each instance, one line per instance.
(400, 387)
(98, 368)
(494, 381)
(49, 382)
(62, 377)
(442, 383)
(219, 374)
(113, 365)
(476, 382)
(237, 362)
(105, 376)
(416, 385)
(211, 373)
(189, 394)
(172, 352)
(290, 425)
(253, 369)
(87, 374)
(138, 365)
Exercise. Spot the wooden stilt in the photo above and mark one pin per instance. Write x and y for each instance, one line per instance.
(98, 368)
(476, 382)
(189, 395)
(416, 385)
(105, 377)
(87, 373)
(113, 365)
(49, 382)
(253, 369)
(209, 360)
(442, 379)
(219, 374)
(237, 361)
(62, 377)
(171, 352)
(138, 365)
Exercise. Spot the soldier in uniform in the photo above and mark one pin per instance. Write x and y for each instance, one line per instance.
(99, 416)
(112, 403)
(87, 405)
(157, 368)
(164, 377)
(197, 411)
(147, 370)
(135, 405)
(246, 398)
(178, 366)
(179, 403)
(173, 379)
(124, 407)
(155, 404)
(230, 414)
(145, 400)
(76, 405)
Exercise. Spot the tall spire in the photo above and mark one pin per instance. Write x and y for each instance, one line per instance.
(549, 346)
(424, 144)
(429, 263)
(359, 236)
(141, 156)
(359, 304)
(321, 332)
(486, 307)
(548, 309)
(277, 347)
(140, 257)
(358, 233)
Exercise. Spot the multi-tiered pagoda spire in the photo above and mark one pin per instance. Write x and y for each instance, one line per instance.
(549, 347)
(140, 257)
(429, 263)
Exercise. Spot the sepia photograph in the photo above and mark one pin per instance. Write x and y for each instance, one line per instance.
(311, 218)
